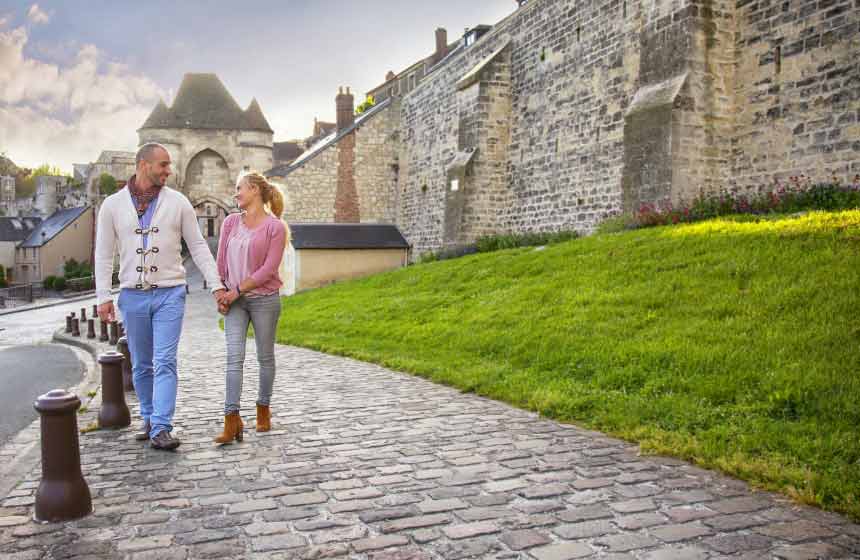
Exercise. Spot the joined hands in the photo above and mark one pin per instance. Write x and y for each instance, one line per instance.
(224, 299)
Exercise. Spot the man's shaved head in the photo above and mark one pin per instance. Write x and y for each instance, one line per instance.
(147, 152)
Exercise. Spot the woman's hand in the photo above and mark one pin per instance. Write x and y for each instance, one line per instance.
(231, 296)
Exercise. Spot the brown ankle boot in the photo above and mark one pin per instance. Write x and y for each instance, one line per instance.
(232, 429)
(264, 418)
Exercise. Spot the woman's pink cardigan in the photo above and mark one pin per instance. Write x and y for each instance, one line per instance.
(265, 251)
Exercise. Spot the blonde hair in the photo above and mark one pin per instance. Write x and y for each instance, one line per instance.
(273, 196)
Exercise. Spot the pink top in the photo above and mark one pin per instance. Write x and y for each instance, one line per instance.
(263, 249)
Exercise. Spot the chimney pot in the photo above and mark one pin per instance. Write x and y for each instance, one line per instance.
(345, 109)
(441, 44)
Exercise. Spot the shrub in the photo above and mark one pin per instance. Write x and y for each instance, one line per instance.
(70, 269)
(366, 105)
(59, 283)
(798, 195)
(48, 282)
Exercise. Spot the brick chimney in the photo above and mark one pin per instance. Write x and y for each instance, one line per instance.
(345, 105)
(390, 76)
(441, 44)
(346, 206)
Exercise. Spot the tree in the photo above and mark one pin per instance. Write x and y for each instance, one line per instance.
(27, 187)
(107, 184)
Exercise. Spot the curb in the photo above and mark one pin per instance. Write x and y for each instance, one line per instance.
(23, 308)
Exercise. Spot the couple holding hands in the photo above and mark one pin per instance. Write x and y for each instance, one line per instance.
(146, 222)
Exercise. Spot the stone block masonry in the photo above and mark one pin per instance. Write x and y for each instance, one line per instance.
(578, 111)
(353, 179)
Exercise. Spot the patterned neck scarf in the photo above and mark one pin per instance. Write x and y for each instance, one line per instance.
(142, 198)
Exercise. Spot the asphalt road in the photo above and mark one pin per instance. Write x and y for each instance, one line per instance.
(30, 365)
(27, 372)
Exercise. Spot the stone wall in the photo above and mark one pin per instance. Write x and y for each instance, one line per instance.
(619, 103)
(311, 188)
(573, 67)
(798, 90)
(375, 166)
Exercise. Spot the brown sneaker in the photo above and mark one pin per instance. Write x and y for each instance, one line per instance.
(164, 441)
(143, 434)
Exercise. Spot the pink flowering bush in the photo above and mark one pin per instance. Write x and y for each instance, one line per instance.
(796, 195)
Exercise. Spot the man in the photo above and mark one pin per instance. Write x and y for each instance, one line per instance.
(147, 221)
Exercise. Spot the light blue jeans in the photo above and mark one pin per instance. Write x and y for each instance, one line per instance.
(153, 323)
(262, 312)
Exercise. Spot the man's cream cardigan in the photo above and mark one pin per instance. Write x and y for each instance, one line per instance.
(160, 263)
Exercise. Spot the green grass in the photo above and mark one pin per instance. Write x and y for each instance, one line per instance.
(734, 343)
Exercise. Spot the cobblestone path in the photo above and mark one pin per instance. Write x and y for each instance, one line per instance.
(369, 463)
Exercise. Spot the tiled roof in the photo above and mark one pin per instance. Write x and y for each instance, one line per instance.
(52, 225)
(286, 152)
(204, 102)
(17, 229)
(346, 236)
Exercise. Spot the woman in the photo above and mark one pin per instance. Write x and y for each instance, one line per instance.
(249, 257)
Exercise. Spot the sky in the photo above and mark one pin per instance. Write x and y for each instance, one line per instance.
(81, 76)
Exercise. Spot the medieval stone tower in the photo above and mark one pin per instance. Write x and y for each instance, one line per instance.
(211, 141)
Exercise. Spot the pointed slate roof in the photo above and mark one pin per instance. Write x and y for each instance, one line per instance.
(52, 225)
(204, 102)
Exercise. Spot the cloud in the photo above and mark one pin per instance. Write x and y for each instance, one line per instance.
(37, 15)
(4, 19)
(68, 114)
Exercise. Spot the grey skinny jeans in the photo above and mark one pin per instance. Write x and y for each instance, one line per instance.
(262, 312)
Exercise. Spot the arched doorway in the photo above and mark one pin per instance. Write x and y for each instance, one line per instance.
(210, 216)
(208, 184)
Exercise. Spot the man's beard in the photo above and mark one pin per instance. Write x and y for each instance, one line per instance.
(156, 180)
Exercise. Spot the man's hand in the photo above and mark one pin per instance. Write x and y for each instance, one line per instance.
(106, 312)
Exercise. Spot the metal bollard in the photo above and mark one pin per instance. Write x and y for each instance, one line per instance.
(127, 375)
(114, 333)
(95, 311)
(76, 327)
(91, 328)
(83, 314)
(204, 283)
(114, 412)
(104, 332)
(68, 323)
(63, 493)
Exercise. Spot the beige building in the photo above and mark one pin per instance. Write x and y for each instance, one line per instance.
(66, 234)
(13, 231)
(321, 254)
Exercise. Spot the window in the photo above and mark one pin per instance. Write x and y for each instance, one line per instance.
(413, 81)
(455, 185)
(777, 59)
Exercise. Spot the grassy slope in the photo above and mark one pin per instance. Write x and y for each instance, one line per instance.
(730, 342)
